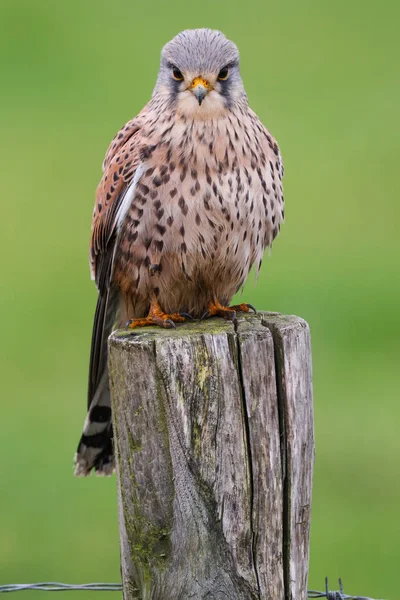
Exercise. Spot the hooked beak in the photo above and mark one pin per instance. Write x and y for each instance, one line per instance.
(200, 87)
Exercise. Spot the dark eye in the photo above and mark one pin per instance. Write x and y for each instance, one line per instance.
(176, 74)
(223, 74)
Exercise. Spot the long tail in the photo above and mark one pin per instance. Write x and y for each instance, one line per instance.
(95, 449)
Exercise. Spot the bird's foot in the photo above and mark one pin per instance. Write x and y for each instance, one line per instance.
(226, 312)
(158, 317)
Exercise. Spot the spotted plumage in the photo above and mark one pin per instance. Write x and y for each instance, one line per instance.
(191, 195)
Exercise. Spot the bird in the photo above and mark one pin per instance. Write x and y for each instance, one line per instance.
(190, 197)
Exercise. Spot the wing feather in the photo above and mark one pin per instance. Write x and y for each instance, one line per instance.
(119, 166)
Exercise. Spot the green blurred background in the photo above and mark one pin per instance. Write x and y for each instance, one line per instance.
(324, 78)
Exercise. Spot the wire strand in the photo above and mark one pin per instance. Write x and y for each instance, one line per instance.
(52, 586)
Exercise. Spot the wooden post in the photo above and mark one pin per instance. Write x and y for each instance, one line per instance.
(214, 443)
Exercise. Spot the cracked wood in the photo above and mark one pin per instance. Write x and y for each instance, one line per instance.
(214, 443)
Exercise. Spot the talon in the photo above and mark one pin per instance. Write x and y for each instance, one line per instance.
(158, 317)
(252, 308)
(226, 312)
(186, 316)
(243, 308)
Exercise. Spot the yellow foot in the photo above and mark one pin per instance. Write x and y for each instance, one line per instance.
(157, 317)
(226, 312)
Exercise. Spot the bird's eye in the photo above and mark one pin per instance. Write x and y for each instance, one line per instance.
(176, 74)
(223, 74)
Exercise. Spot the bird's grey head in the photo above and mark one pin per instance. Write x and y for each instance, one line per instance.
(199, 71)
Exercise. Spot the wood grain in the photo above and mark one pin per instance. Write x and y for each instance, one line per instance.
(206, 417)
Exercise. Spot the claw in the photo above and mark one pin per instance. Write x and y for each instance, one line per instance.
(158, 317)
(226, 312)
(186, 316)
(229, 315)
(252, 308)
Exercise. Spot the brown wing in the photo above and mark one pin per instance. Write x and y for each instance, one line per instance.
(118, 170)
(120, 163)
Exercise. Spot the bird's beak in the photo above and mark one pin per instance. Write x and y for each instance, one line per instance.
(200, 87)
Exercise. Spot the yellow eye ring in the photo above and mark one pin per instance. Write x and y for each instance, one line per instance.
(223, 74)
(176, 74)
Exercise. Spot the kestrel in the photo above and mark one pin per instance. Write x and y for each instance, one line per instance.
(191, 195)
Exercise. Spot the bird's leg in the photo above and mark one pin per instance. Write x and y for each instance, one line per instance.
(226, 312)
(156, 316)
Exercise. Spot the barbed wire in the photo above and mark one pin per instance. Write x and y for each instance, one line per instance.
(51, 586)
(338, 595)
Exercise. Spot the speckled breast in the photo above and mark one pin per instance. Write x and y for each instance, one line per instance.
(203, 209)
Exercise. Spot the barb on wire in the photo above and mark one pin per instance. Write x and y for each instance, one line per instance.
(338, 595)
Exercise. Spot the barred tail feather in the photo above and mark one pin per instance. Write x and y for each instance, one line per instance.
(95, 449)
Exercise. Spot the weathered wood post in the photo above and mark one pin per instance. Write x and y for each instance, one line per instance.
(214, 441)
